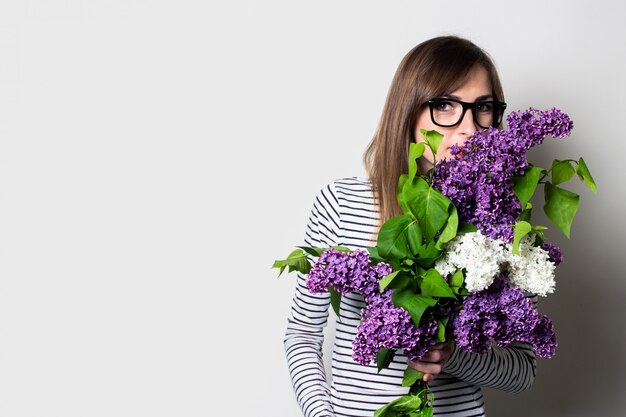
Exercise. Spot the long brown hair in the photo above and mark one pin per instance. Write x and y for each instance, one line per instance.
(431, 69)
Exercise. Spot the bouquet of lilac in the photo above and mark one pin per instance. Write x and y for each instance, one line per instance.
(457, 263)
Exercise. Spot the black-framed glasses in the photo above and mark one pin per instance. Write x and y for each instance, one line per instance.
(448, 112)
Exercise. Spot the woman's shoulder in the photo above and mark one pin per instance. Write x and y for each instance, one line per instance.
(350, 190)
(344, 191)
(354, 184)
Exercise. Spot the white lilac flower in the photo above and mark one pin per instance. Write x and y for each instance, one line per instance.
(532, 270)
(484, 258)
(480, 256)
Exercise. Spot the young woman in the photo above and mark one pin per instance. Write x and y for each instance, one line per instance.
(446, 84)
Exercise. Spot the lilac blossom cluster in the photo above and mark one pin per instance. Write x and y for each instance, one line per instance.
(554, 253)
(533, 125)
(479, 179)
(501, 313)
(383, 324)
(346, 272)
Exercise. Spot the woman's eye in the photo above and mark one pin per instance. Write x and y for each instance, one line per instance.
(484, 107)
(443, 106)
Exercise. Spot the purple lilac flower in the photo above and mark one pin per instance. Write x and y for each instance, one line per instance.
(346, 272)
(556, 123)
(385, 325)
(367, 282)
(503, 314)
(534, 125)
(329, 268)
(554, 253)
(479, 180)
(543, 338)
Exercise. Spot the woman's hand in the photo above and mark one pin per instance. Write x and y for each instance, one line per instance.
(434, 360)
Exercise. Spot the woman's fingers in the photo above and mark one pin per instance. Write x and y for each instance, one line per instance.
(433, 356)
(427, 367)
(432, 363)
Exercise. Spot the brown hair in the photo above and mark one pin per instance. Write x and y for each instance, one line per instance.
(433, 68)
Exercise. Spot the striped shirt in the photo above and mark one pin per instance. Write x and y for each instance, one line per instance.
(344, 213)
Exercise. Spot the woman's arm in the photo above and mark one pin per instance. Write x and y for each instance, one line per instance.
(510, 369)
(309, 313)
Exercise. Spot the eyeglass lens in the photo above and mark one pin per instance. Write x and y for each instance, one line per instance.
(449, 113)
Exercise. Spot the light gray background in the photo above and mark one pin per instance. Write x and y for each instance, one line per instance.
(157, 156)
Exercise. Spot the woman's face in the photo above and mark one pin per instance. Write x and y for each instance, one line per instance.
(476, 88)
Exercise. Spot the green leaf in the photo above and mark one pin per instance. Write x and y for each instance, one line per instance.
(396, 264)
(335, 300)
(463, 291)
(539, 233)
(312, 250)
(296, 261)
(433, 139)
(560, 207)
(522, 228)
(457, 279)
(585, 175)
(403, 281)
(384, 282)
(374, 256)
(402, 180)
(441, 328)
(434, 285)
(562, 171)
(414, 237)
(406, 403)
(399, 407)
(526, 214)
(428, 205)
(384, 357)
(450, 230)
(411, 376)
(466, 228)
(410, 190)
(392, 238)
(427, 412)
(525, 185)
(415, 151)
(414, 304)
(427, 254)
(386, 411)
(342, 249)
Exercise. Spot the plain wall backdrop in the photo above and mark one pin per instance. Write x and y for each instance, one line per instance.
(157, 156)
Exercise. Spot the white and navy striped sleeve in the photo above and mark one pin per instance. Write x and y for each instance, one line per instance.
(510, 369)
(309, 314)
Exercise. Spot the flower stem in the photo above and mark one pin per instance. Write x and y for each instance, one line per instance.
(421, 389)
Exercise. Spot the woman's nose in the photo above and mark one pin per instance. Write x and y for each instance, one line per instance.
(466, 125)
